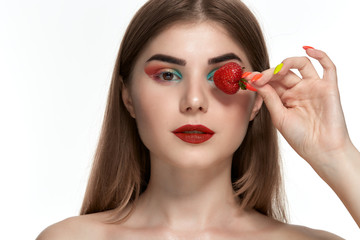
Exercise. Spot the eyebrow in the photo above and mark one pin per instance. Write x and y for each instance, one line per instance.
(182, 62)
(223, 58)
(167, 58)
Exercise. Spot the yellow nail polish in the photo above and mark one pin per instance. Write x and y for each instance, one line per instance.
(278, 68)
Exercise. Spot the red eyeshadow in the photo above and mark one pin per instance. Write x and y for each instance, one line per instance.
(152, 69)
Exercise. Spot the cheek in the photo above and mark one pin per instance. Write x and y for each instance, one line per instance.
(151, 100)
(153, 110)
(237, 109)
(236, 117)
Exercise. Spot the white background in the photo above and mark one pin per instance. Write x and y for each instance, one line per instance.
(56, 59)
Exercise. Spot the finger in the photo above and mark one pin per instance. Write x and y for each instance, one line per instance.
(260, 78)
(302, 64)
(273, 104)
(278, 81)
(326, 63)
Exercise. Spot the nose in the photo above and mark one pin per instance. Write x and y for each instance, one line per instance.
(194, 98)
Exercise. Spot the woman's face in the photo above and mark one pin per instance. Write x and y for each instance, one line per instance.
(172, 87)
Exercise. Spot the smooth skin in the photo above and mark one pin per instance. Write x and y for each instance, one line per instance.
(190, 193)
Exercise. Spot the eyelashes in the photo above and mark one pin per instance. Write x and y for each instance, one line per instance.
(172, 75)
(210, 76)
(168, 75)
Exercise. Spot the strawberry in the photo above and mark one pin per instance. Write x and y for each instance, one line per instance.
(228, 78)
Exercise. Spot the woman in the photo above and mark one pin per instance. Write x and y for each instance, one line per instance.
(178, 158)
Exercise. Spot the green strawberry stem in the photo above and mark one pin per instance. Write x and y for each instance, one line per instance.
(242, 84)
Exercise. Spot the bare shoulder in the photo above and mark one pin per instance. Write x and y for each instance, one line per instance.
(89, 227)
(269, 228)
(301, 232)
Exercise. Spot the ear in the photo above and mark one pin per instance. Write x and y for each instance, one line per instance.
(256, 108)
(126, 97)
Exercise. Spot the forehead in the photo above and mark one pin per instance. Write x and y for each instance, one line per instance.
(193, 41)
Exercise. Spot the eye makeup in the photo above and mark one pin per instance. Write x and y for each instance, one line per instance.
(211, 75)
(168, 75)
(164, 73)
(161, 73)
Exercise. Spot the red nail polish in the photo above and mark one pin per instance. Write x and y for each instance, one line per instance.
(249, 87)
(245, 74)
(256, 77)
(307, 47)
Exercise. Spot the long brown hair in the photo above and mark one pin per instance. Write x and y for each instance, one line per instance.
(121, 168)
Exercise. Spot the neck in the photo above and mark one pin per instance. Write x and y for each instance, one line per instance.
(196, 198)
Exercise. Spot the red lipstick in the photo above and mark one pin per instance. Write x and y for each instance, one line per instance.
(194, 134)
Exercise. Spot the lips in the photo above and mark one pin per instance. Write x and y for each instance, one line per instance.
(194, 134)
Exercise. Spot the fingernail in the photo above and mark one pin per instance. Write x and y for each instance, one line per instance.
(307, 47)
(249, 87)
(245, 74)
(256, 77)
(278, 68)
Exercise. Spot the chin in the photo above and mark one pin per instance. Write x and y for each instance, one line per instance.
(198, 160)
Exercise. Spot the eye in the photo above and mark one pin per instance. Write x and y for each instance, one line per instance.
(210, 76)
(168, 75)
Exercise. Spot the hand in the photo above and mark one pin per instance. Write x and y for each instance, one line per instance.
(306, 109)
